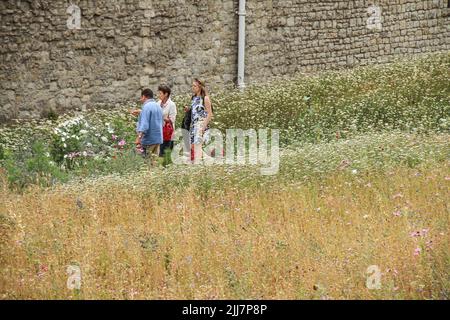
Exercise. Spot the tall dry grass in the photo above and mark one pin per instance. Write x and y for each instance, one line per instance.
(312, 241)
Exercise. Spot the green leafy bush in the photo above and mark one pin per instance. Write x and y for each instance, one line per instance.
(32, 167)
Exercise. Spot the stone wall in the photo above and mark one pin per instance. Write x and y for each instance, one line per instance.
(49, 61)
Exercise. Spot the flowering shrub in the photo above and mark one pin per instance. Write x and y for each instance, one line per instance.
(69, 139)
(77, 144)
(78, 140)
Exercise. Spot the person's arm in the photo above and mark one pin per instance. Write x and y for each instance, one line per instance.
(143, 125)
(135, 112)
(209, 111)
(138, 141)
(166, 118)
(164, 108)
(172, 112)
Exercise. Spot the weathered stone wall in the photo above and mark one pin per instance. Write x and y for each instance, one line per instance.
(124, 45)
(290, 36)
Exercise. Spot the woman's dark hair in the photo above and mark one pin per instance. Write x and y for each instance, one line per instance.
(147, 93)
(165, 89)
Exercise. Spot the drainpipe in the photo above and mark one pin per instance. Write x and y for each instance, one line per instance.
(241, 45)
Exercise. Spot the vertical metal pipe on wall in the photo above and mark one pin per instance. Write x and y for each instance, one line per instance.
(241, 45)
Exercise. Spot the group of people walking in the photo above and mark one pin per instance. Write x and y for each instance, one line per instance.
(156, 121)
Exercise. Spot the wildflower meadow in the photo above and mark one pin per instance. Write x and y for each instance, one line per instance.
(357, 210)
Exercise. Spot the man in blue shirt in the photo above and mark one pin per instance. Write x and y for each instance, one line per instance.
(149, 125)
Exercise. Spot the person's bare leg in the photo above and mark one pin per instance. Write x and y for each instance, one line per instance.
(198, 153)
(147, 155)
(155, 154)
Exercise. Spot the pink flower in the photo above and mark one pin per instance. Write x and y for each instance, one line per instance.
(73, 155)
(397, 213)
(122, 143)
(114, 137)
(420, 233)
(42, 270)
(140, 150)
(415, 234)
(417, 251)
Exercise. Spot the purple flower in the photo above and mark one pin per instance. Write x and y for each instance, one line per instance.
(419, 233)
(397, 213)
(73, 155)
(417, 251)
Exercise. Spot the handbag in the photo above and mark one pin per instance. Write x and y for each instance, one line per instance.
(167, 131)
(186, 123)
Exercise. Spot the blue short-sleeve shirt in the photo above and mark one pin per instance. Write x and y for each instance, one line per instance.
(150, 122)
